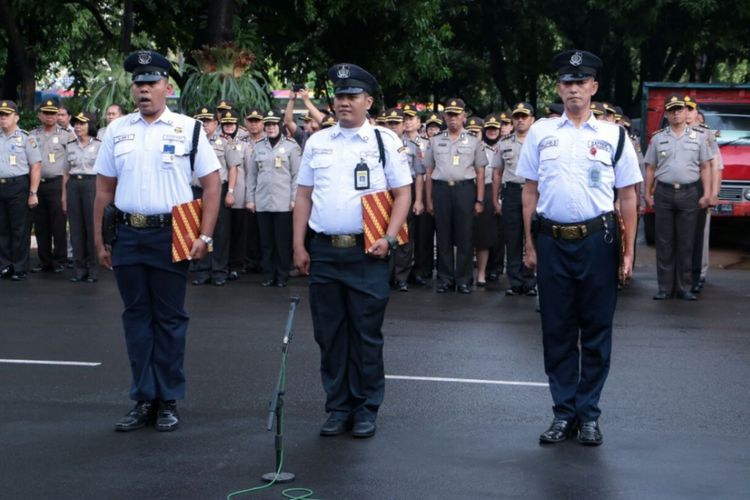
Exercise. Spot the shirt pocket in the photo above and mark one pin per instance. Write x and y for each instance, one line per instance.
(601, 157)
(321, 161)
(125, 155)
(549, 154)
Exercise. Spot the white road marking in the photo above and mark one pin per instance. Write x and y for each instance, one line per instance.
(468, 380)
(44, 362)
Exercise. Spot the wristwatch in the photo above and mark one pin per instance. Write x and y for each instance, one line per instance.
(208, 241)
(392, 242)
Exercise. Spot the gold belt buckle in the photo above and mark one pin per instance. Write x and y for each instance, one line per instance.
(451, 183)
(676, 186)
(137, 220)
(79, 177)
(570, 232)
(343, 240)
(3, 180)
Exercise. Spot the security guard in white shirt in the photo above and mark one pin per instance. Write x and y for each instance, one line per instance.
(349, 283)
(572, 166)
(144, 167)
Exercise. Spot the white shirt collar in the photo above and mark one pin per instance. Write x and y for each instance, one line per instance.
(592, 122)
(365, 131)
(167, 116)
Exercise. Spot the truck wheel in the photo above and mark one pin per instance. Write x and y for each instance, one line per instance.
(648, 228)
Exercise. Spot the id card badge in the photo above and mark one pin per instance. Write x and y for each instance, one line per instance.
(277, 162)
(361, 176)
(595, 176)
(12, 160)
(456, 160)
(167, 155)
(51, 157)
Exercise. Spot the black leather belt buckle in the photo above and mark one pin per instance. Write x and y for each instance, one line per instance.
(343, 240)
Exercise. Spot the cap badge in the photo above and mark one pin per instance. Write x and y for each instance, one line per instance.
(576, 59)
(204, 110)
(453, 103)
(343, 71)
(673, 99)
(228, 115)
(270, 113)
(144, 57)
(5, 104)
(49, 103)
(393, 113)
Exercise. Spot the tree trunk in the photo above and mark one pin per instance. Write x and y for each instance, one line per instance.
(220, 16)
(24, 63)
(127, 26)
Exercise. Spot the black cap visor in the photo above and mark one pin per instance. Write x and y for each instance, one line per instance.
(149, 74)
(351, 86)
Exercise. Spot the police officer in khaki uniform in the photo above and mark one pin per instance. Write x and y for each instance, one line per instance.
(678, 161)
(403, 258)
(485, 234)
(79, 191)
(433, 125)
(702, 232)
(214, 268)
(225, 106)
(454, 161)
(48, 217)
(520, 278)
(239, 215)
(20, 166)
(271, 187)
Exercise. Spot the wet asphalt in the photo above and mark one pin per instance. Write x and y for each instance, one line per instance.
(675, 416)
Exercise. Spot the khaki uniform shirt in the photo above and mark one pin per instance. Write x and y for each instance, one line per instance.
(18, 151)
(678, 159)
(53, 148)
(509, 149)
(491, 153)
(271, 177)
(414, 155)
(454, 160)
(81, 160)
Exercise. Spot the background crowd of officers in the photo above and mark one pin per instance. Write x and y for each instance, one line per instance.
(466, 195)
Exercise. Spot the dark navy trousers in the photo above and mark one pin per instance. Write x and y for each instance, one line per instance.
(577, 282)
(348, 296)
(155, 322)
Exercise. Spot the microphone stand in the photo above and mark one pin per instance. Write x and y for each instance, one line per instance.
(276, 406)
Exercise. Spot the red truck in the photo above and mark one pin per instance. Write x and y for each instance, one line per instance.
(727, 111)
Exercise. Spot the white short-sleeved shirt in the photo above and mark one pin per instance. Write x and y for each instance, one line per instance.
(151, 161)
(573, 167)
(328, 163)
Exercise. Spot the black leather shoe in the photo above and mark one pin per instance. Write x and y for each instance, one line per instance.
(589, 434)
(41, 269)
(401, 286)
(363, 429)
(220, 282)
(167, 419)
(268, 283)
(233, 275)
(662, 296)
(444, 287)
(201, 281)
(558, 431)
(78, 279)
(418, 280)
(141, 414)
(6, 272)
(281, 284)
(686, 296)
(696, 289)
(464, 288)
(513, 291)
(18, 277)
(58, 268)
(530, 292)
(493, 276)
(91, 279)
(335, 425)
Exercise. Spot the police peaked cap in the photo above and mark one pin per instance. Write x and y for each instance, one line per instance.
(454, 105)
(83, 117)
(523, 108)
(49, 106)
(204, 113)
(410, 110)
(492, 121)
(556, 108)
(394, 115)
(597, 108)
(8, 107)
(572, 65)
(674, 101)
(351, 79)
(147, 66)
(434, 119)
(272, 116)
(227, 117)
(474, 123)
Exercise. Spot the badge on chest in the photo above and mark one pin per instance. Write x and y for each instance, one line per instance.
(167, 154)
(361, 175)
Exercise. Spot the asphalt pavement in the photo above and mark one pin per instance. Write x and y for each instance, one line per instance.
(675, 407)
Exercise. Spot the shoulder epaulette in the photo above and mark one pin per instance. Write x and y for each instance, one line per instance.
(22, 131)
(697, 128)
(703, 125)
(260, 140)
(507, 136)
(657, 131)
(72, 141)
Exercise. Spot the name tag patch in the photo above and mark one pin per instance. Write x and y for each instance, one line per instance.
(126, 137)
(548, 142)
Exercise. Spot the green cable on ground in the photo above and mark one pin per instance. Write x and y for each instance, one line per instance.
(289, 493)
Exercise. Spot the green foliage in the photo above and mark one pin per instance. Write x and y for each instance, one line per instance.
(206, 89)
(111, 85)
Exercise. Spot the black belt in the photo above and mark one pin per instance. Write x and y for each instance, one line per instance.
(51, 179)
(454, 183)
(509, 185)
(11, 180)
(141, 221)
(83, 177)
(677, 186)
(576, 231)
(340, 240)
